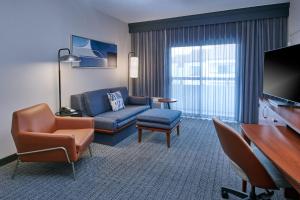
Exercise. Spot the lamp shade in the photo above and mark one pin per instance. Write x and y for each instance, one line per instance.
(134, 67)
(69, 58)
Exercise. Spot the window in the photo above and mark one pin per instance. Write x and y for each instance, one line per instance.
(203, 79)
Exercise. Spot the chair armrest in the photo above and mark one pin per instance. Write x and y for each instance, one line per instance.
(74, 122)
(135, 100)
(33, 141)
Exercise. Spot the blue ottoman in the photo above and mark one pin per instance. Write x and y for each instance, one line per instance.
(161, 120)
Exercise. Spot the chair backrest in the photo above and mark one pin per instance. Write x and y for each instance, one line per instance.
(240, 153)
(38, 118)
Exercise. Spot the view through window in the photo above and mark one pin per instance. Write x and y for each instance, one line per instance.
(203, 79)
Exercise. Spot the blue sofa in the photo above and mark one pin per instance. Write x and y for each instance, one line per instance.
(96, 104)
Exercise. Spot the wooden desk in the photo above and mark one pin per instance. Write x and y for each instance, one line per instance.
(290, 116)
(281, 145)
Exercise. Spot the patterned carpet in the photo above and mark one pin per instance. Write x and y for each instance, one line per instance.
(193, 168)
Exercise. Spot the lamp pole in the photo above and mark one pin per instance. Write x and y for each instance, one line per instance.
(59, 79)
(129, 55)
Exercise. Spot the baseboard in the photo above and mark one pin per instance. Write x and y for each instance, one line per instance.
(8, 159)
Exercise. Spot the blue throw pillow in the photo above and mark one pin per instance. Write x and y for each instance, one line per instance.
(116, 101)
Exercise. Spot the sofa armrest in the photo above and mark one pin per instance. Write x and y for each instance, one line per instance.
(33, 141)
(135, 100)
(74, 122)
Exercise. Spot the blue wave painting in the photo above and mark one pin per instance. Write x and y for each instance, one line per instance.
(93, 53)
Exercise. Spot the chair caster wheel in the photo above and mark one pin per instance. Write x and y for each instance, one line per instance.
(225, 195)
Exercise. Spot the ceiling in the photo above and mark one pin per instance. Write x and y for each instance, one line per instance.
(131, 11)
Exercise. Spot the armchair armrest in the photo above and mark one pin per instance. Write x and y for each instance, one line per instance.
(135, 100)
(74, 122)
(32, 141)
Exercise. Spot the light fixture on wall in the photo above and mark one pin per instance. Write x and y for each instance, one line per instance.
(68, 58)
(133, 67)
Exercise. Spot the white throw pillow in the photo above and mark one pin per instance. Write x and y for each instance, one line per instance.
(116, 100)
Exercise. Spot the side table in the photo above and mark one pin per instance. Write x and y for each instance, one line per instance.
(167, 101)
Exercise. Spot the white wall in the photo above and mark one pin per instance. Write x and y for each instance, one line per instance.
(294, 22)
(31, 32)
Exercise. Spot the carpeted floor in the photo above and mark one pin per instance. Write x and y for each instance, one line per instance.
(193, 168)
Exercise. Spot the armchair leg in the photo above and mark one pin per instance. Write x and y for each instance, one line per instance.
(45, 150)
(73, 169)
(90, 150)
(15, 170)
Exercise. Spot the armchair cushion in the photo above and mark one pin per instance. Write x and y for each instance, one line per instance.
(83, 137)
(29, 141)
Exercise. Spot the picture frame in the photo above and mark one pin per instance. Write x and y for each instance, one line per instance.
(93, 53)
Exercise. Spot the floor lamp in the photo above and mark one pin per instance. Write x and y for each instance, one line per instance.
(133, 67)
(68, 58)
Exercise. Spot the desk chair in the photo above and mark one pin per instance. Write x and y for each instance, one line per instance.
(251, 165)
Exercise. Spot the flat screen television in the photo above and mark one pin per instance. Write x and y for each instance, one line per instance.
(282, 74)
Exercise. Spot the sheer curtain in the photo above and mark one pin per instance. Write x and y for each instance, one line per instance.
(204, 80)
(203, 72)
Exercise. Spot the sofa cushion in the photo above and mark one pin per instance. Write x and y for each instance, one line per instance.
(105, 123)
(113, 120)
(96, 102)
(123, 91)
(116, 101)
(162, 116)
(110, 123)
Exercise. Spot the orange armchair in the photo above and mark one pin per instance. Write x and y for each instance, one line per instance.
(40, 136)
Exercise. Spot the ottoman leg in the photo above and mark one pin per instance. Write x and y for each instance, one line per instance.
(168, 138)
(139, 135)
(178, 127)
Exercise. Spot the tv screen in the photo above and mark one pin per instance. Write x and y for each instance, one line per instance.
(282, 73)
